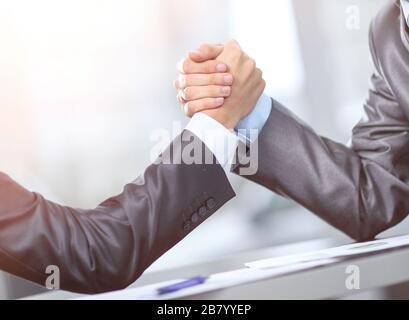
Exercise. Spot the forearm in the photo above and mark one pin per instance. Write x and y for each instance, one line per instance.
(350, 191)
(108, 247)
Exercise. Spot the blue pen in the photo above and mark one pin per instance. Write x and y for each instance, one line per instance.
(182, 285)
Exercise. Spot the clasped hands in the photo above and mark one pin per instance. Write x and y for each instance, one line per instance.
(221, 81)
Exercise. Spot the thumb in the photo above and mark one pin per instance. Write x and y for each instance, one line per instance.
(206, 52)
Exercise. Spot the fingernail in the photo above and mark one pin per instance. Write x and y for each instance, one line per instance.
(221, 67)
(228, 79)
(219, 101)
(226, 90)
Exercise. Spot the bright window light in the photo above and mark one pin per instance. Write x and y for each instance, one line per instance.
(266, 30)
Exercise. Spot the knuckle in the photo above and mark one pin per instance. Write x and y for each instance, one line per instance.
(251, 63)
(259, 73)
(187, 93)
(234, 43)
(261, 86)
(180, 98)
(229, 43)
(239, 54)
(187, 108)
(187, 66)
(182, 81)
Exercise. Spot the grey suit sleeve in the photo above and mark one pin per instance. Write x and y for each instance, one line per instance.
(361, 190)
(108, 247)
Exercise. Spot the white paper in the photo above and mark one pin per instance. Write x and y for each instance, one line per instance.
(256, 271)
(215, 282)
(333, 253)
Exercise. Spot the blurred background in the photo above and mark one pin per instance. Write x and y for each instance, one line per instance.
(84, 83)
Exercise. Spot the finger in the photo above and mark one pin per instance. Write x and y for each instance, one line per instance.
(178, 85)
(233, 44)
(190, 80)
(195, 93)
(187, 66)
(196, 106)
(180, 98)
(206, 52)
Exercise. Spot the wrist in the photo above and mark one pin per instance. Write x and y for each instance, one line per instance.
(225, 118)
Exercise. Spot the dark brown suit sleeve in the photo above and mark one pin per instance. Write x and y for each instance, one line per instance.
(361, 190)
(109, 247)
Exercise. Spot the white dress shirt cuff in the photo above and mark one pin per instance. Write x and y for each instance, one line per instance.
(219, 140)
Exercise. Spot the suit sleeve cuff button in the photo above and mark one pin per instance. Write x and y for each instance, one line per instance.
(195, 218)
(211, 203)
(187, 226)
(202, 211)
